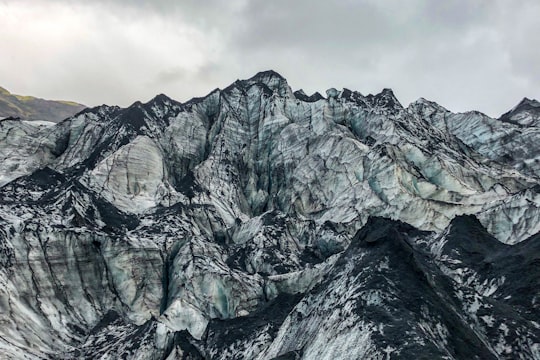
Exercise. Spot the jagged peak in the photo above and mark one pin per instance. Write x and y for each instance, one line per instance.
(262, 75)
(271, 79)
(458, 236)
(524, 104)
(527, 101)
(301, 95)
(347, 92)
(525, 113)
(136, 104)
(160, 98)
(387, 92)
(423, 102)
(352, 95)
(100, 110)
(385, 99)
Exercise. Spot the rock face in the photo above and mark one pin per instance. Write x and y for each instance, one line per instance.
(36, 109)
(262, 223)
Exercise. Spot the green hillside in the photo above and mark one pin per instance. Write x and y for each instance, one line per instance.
(32, 108)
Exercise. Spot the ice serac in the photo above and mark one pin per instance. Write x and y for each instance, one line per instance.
(258, 223)
(25, 147)
(511, 142)
(526, 113)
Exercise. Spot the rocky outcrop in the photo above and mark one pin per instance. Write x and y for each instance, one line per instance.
(254, 223)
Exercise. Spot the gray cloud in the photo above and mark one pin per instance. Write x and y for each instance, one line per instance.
(464, 54)
(456, 52)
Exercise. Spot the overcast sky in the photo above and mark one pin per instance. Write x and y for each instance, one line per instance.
(465, 54)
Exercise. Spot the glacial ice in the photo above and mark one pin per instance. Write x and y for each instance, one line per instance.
(235, 225)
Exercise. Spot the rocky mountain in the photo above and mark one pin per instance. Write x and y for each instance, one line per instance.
(261, 223)
(35, 109)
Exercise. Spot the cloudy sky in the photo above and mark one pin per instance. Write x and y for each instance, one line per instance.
(465, 54)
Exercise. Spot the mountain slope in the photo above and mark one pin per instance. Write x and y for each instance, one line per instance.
(255, 223)
(32, 108)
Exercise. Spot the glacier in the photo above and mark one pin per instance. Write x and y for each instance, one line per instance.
(258, 222)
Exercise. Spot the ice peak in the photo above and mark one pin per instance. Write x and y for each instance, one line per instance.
(387, 92)
(262, 75)
(272, 80)
(529, 102)
(524, 104)
(422, 100)
(424, 103)
(161, 98)
(525, 113)
(385, 99)
(269, 78)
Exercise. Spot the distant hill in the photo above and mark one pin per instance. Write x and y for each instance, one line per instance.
(32, 108)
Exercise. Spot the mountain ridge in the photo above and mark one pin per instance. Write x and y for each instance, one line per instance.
(33, 108)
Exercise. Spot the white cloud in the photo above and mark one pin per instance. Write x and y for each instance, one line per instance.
(94, 53)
